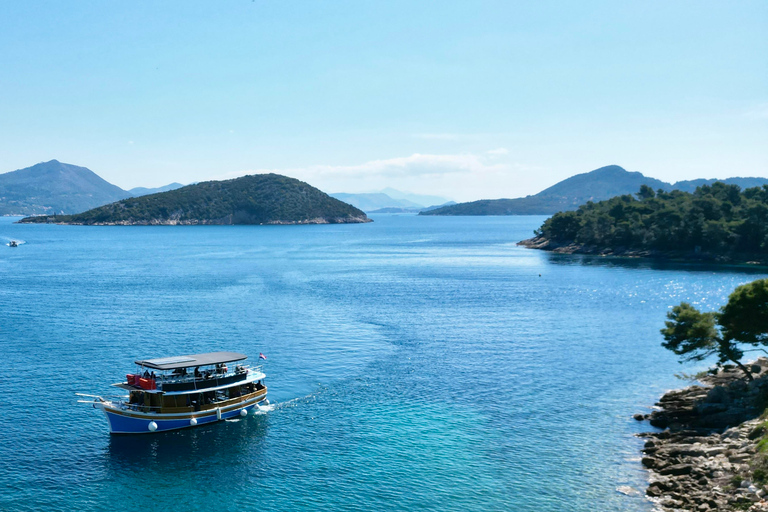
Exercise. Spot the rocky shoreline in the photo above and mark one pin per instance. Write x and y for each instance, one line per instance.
(226, 221)
(544, 244)
(713, 452)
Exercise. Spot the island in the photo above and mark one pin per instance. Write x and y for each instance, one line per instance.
(598, 185)
(255, 199)
(718, 222)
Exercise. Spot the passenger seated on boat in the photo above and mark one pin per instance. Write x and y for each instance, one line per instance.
(197, 372)
(146, 374)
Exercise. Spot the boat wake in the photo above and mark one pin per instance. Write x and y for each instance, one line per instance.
(12, 242)
(264, 409)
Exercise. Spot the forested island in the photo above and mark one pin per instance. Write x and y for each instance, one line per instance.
(717, 222)
(256, 199)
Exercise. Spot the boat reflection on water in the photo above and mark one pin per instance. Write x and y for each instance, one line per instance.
(190, 449)
(630, 263)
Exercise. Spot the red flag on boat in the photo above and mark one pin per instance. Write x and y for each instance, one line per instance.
(262, 356)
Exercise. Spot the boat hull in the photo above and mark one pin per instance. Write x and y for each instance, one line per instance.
(126, 421)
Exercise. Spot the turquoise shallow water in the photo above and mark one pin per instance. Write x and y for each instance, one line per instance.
(416, 364)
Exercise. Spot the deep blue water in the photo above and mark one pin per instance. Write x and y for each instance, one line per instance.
(417, 363)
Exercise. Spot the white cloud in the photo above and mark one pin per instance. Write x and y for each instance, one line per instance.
(414, 165)
(461, 175)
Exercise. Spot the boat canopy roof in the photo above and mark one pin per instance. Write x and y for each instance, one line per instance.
(171, 363)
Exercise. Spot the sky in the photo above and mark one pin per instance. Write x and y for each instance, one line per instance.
(466, 100)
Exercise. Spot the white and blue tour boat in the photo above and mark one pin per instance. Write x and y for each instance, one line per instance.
(183, 391)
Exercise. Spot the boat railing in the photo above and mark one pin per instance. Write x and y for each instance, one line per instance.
(122, 404)
(202, 376)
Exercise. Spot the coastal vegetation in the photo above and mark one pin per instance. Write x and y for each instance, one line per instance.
(713, 452)
(710, 455)
(717, 221)
(742, 322)
(256, 199)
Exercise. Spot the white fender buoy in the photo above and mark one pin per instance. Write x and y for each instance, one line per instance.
(193, 421)
(243, 413)
(218, 413)
(266, 402)
(152, 426)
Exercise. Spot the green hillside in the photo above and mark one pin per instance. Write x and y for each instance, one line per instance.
(716, 221)
(257, 199)
(54, 187)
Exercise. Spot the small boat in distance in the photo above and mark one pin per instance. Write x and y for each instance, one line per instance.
(170, 393)
(13, 243)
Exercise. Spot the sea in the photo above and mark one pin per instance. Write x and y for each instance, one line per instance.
(413, 363)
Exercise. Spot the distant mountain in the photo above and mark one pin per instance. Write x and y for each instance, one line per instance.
(374, 201)
(419, 199)
(143, 191)
(391, 200)
(569, 194)
(54, 187)
(691, 185)
(412, 210)
(256, 199)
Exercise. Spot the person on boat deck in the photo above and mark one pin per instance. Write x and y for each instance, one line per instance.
(146, 374)
(197, 371)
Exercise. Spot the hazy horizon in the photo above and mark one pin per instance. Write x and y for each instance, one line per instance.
(467, 101)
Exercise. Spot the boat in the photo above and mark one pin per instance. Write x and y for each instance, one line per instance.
(13, 243)
(172, 393)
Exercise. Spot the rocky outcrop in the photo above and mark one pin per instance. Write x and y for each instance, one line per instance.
(542, 243)
(707, 457)
(225, 221)
(545, 244)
